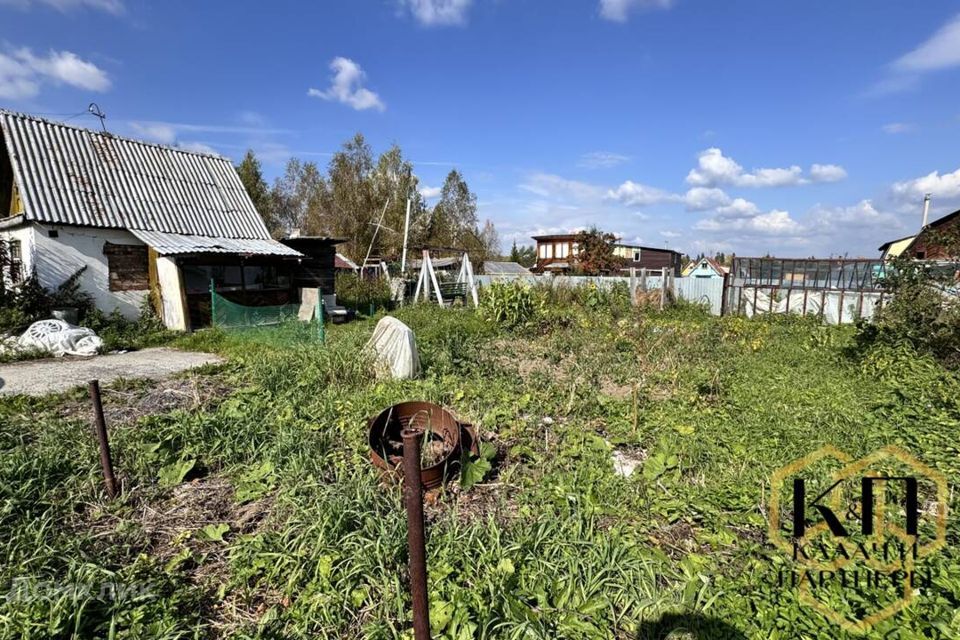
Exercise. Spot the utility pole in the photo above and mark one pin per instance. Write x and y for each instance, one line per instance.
(406, 232)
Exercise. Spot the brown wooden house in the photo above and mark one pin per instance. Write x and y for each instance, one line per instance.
(929, 243)
(557, 253)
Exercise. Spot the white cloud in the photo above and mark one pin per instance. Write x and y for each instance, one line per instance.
(827, 173)
(714, 168)
(345, 87)
(945, 186)
(161, 132)
(940, 51)
(898, 127)
(430, 192)
(739, 208)
(198, 147)
(774, 223)
(671, 234)
(705, 198)
(619, 10)
(633, 194)
(862, 217)
(552, 186)
(438, 13)
(159, 125)
(602, 159)
(22, 73)
(115, 7)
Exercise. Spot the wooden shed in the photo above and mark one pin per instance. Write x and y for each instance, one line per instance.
(317, 269)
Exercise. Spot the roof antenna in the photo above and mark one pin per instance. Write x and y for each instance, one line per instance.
(95, 110)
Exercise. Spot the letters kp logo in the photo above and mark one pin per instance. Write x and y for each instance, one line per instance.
(846, 531)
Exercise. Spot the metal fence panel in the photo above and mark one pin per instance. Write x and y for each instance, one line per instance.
(706, 291)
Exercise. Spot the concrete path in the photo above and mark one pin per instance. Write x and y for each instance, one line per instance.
(54, 375)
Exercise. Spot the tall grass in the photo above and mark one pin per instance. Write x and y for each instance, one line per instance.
(553, 545)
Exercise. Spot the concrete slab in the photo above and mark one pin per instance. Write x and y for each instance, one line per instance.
(55, 375)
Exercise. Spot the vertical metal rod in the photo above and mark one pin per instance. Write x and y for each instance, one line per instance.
(105, 461)
(321, 333)
(406, 234)
(413, 496)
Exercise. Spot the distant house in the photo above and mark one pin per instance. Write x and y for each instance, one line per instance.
(704, 268)
(927, 244)
(641, 257)
(140, 217)
(557, 253)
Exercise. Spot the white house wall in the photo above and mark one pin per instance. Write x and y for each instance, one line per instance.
(56, 259)
(25, 235)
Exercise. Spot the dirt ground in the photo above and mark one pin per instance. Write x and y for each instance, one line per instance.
(55, 375)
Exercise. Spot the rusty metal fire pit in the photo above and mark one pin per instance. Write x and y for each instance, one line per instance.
(444, 439)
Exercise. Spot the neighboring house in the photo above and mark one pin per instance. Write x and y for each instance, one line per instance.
(140, 217)
(640, 257)
(927, 244)
(558, 253)
(555, 253)
(704, 268)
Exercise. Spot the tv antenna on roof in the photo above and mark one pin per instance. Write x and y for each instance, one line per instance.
(95, 110)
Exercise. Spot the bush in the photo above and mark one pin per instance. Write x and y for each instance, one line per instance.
(921, 312)
(357, 293)
(120, 333)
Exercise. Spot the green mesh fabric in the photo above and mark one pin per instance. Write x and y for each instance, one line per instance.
(228, 315)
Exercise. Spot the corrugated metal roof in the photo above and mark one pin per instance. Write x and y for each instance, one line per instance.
(175, 243)
(69, 175)
(505, 269)
(343, 262)
(438, 263)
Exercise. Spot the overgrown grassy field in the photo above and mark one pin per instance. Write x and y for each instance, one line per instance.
(250, 508)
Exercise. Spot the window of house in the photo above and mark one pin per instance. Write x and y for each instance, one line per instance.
(549, 251)
(15, 253)
(563, 250)
(576, 248)
(921, 255)
(636, 255)
(542, 249)
(128, 266)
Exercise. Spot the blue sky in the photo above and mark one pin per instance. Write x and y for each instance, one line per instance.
(745, 126)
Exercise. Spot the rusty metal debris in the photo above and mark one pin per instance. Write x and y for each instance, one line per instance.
(416, 541)
(444, 439)
(109, 479)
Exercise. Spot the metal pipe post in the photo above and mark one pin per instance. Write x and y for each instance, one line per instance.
(413, 496)
(105, 461)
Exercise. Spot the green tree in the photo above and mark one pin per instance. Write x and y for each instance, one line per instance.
(528, 255)
(394, 182)
(490, 242)
(453, 221)
(251, 175)
(297, 197)
(596, 252)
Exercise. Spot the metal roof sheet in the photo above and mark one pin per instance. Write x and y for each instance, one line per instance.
(69, 175)
(343, 262)
(505, 268)
(438, 263)
(175, 243)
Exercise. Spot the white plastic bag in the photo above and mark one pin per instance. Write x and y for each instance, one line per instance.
(60, 338)
(394, 347)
